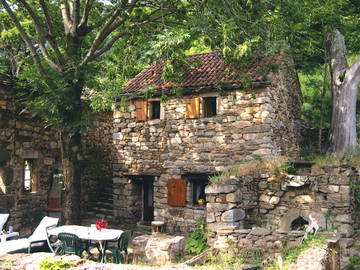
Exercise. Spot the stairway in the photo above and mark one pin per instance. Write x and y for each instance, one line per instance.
(100, 204)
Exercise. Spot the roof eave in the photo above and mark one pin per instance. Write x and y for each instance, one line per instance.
(188, 90)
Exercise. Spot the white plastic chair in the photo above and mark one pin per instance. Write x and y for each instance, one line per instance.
(39, 236)
(3, 219)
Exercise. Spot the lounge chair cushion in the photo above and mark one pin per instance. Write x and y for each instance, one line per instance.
(39, 235)
(40, 231)
(3, 219)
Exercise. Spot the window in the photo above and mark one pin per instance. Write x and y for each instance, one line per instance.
(154, 109)
(198, 182)
(27, 175)
(147, 110)
(209, 106)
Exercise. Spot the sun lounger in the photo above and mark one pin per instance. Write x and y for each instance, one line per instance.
(39, 237)
(3, 219)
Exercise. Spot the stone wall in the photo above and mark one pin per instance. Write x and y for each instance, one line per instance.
(263, 210)
(97, 182)
(23, 138)
(260, 122)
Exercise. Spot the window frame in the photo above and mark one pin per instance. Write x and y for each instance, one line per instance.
(212, 101)
(151, 110)
(33, 181)
(197, 181)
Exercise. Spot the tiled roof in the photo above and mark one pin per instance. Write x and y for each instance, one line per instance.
(211, 71)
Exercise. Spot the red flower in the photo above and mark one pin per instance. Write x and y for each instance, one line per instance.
(101, 224)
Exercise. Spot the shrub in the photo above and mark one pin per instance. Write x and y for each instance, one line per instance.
(197, 241)
(48, 264)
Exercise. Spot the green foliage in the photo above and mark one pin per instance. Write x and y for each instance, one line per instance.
(285, 167)
(197, 241)
(164, 98)
(290, 255)
(233, 257)
(54, 264)
(354, 263)
(314, 105)
(148, 92)
(257, 164)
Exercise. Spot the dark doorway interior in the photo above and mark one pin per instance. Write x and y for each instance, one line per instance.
(299, 224)
(147, 193)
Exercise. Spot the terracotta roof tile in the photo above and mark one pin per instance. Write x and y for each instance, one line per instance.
(211, 71)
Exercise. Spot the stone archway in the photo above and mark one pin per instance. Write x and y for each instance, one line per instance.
(293, 214)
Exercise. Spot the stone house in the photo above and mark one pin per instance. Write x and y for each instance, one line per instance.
(168, 144)
(29, 161)
(30, 164)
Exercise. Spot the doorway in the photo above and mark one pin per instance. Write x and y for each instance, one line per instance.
(146, 183)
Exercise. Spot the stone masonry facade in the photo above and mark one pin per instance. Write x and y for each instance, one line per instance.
(258, 122)
(23, 139)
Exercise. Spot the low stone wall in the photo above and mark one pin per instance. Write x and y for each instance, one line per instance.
(263, 211)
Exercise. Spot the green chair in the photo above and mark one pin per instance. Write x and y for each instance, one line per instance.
(119, 247)
(71, 244)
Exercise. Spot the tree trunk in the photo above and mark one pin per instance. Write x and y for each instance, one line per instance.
(344, 83)
(70, 153)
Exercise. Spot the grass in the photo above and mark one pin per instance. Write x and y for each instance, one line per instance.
(275, 166)
(232, 258)
(290, 255)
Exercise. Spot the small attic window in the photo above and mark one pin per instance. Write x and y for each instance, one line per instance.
(209, 104)
(154, 109)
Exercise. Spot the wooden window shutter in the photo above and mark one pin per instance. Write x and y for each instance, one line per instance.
(177, 192)
(141, 110)
(193, 108)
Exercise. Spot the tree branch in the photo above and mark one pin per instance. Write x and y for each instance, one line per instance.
(85, 16)
(51, 34)
(337, 55)
(66, 16)
(353, 73)
(75, 15)
(40, 31)
(26, 39)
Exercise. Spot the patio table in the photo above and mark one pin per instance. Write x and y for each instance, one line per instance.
(89, 234)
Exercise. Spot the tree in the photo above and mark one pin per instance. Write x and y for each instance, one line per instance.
(68, 36)
(345, 81)
(252, 28)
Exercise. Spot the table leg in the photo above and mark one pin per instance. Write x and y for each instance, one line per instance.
(102, 248)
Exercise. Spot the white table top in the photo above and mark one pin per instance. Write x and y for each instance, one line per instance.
(87, 233)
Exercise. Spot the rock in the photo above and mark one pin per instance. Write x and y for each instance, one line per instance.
(274, 200)
(250, 267)
(346, 230)
(219, 207)
(260, 231)
(210, 217)
(295, 181)
(162, 250)
(344, 219)
(220, 188)
(233, 215)
(346, 242)
(232, 197)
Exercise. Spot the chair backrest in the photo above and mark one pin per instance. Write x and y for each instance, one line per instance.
(3, 219)
(124, 240)
(70, 242)
(40, 232)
